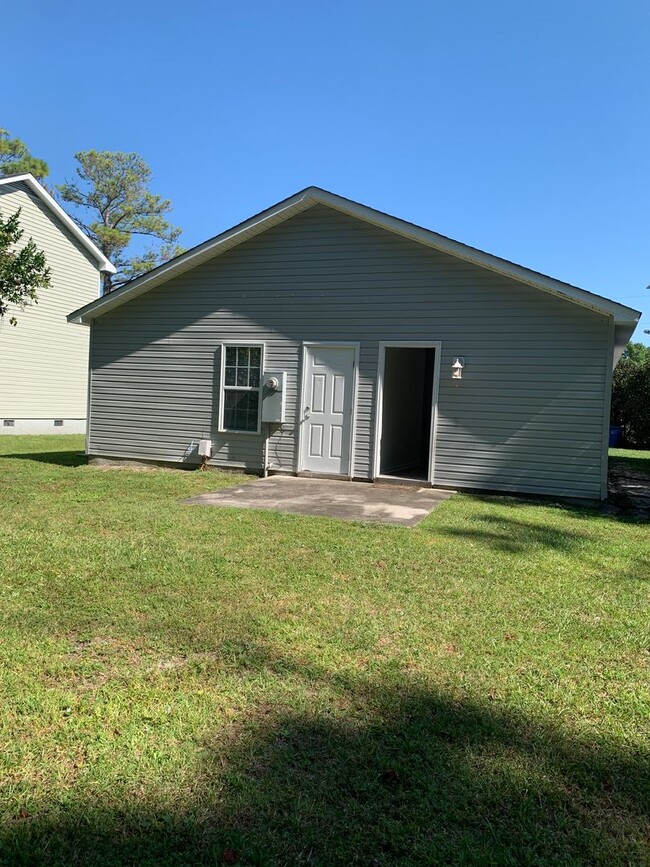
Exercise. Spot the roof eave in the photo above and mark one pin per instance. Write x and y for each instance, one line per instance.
(104, 264)
(202, 252)
(315, 195)
(479, 257)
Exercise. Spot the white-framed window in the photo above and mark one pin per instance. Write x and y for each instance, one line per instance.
(241, 385)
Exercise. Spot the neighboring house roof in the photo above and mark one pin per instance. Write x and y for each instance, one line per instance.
(30, 181)
(625, 317)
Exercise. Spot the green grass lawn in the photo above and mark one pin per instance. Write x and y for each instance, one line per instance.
(633, 458)
(190, 686)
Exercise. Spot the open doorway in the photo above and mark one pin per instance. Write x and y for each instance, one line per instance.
(406, 412)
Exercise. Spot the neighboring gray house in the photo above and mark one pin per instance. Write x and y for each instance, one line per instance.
(44, 359)
(323, 336)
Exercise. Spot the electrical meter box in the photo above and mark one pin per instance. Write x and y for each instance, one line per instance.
(273, 396)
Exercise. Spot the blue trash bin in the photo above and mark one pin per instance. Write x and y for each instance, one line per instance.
(615, 434)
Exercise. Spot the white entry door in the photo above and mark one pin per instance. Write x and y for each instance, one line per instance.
(328, 401)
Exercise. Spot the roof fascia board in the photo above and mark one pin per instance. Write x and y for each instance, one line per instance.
(226, 240)
(53, 205)
(314, 195)
(478, 257)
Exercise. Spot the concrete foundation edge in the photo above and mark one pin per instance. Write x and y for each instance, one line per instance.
(37, 426)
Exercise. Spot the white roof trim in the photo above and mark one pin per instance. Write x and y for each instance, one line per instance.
(314, 196)
(53, 205)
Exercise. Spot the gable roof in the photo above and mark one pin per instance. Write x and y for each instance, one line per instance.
(626, 317)
(30, 181)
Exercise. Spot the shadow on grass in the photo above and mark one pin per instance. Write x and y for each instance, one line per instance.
(74, 458)
(403, 776)
(510, 535)
(641, 465)
(513, 536)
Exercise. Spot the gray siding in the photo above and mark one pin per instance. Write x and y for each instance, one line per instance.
(528, 414)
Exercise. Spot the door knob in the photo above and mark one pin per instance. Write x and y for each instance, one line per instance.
(307, 411)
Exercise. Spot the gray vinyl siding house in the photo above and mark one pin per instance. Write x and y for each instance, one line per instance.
(362, 318)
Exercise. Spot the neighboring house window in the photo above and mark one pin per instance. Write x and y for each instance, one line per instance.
(241, 378)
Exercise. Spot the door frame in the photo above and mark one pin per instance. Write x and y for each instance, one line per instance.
(308, 345)
(436, 345)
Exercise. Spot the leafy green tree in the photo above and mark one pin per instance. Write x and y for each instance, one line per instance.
(15, 158)
(631, 395)
(23, 270)
(638, 353)
(113, 203)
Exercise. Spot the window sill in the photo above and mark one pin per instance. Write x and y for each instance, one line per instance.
(249, 433)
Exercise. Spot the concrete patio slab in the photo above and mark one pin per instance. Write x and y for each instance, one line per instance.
(332, 498)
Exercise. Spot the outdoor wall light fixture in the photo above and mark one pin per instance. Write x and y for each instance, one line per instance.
(457, 368)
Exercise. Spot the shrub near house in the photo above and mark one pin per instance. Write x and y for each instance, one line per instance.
(631, 395)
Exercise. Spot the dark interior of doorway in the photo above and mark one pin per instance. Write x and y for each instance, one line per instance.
(406, 412)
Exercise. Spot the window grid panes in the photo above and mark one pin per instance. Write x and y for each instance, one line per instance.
(241, 386)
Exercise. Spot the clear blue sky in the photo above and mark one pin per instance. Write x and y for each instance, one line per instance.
(522, 128)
